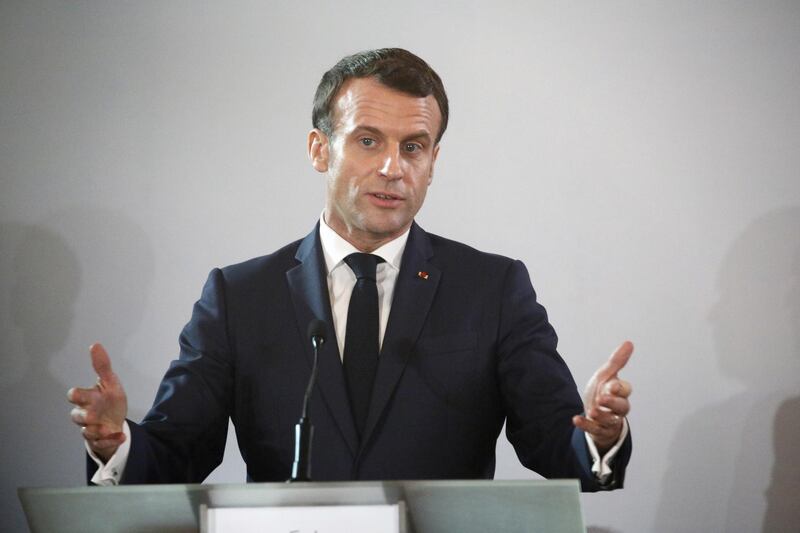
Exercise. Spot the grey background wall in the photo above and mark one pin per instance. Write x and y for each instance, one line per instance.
(643, 160)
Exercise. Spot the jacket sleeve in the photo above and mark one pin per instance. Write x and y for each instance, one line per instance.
(182, 437)
(539, 393)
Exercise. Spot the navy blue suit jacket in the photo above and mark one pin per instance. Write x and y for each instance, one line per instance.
(466, 348)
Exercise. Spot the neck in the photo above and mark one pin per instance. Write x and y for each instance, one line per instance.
(366, 245)
(362, 241)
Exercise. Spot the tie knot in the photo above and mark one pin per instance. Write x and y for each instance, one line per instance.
(363, 265)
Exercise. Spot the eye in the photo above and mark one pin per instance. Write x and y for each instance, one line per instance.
(412, 147)
(366, 141)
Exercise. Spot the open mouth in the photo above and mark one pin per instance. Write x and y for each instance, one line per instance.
(385, 200)
(385, 196)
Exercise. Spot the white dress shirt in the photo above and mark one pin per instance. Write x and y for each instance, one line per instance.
(341, 281)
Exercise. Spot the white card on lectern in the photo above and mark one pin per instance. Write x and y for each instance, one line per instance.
(303, 519)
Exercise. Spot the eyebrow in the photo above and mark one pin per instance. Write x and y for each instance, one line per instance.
(421, 134)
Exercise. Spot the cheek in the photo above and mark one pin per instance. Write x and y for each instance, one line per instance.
(336, 177)
(332, 186)
(351, 193)
(341, 187)
(421, 187)
(421, 193)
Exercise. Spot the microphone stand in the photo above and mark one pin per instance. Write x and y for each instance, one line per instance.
(304, 430)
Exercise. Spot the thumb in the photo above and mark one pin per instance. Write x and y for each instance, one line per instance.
(101, 362)
(616, 362)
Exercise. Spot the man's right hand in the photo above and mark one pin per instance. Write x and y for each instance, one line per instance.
(100, 411)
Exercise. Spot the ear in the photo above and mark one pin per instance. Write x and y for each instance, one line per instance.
(318, 150)
(433, 162)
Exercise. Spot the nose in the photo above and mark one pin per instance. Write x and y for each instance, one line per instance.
(392, 166)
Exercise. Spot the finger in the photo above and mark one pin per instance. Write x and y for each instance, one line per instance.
(616, 405)
(105, 444)
(617, 387)
(85, 417)
(92, 432)
(603, 418)
(593, 428)
(600, 434)
(81, 416)
(78, 415)
(80, 396)
(97, 432)
(101, 362)
(616, 362)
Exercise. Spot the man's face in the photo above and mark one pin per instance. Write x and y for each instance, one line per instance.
(379, 160)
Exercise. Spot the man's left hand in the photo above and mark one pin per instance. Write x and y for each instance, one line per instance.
(605, 401)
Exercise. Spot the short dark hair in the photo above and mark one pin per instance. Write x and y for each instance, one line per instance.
(393, 67)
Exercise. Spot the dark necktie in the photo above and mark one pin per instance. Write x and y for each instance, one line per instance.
(361, 338)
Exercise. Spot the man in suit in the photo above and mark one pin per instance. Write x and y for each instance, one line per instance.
(436, 344)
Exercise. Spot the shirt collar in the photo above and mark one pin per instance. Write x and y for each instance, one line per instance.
(335, 248)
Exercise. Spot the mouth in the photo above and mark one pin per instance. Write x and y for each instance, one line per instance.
(385, 196)
(385, 199)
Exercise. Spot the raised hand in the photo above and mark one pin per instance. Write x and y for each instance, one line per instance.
(605, 400)
(100, 410)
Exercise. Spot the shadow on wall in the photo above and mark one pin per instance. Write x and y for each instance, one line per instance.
(733, 465)
(51, 287)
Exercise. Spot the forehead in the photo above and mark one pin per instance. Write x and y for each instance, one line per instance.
(367, 102)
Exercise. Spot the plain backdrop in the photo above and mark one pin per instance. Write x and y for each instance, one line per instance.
(642, 159)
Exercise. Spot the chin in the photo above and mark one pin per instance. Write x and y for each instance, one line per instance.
(383, 232)
(382, 223)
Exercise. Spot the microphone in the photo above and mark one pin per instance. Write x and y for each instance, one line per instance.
(303, 430)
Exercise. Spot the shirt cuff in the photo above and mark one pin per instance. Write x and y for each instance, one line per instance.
(600, 466)
(111, 472)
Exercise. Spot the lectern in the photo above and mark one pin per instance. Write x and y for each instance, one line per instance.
(429, 506)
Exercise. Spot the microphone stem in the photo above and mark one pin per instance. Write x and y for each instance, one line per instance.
(304, 430)
(312, 379)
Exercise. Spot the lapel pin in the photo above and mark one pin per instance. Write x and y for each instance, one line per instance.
(422, 274)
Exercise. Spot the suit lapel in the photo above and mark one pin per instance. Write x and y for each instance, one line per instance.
(309, 289)
(413, 295)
